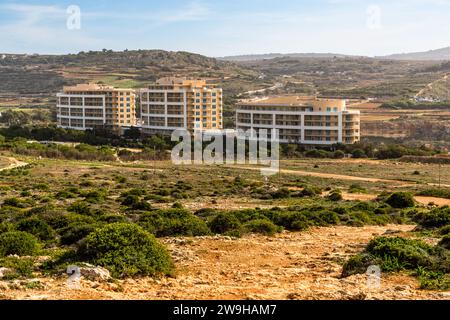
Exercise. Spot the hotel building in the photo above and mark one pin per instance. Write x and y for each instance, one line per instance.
(174, 103)
(302, 120)
(90, 106)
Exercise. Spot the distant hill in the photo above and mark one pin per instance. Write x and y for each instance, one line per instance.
(439, 54)
(258, 57)
(46, 74)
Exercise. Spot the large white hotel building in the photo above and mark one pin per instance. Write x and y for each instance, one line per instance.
(303, 120)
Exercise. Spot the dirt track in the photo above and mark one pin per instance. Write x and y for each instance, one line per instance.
(340, 176)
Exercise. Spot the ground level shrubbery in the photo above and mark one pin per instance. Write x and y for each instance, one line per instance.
(126, 250)
(18, 243)
(430, 263)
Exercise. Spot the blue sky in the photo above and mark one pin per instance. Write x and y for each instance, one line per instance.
(227, 27)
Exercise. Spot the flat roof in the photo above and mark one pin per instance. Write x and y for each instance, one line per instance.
(93, 87)
(294, 101)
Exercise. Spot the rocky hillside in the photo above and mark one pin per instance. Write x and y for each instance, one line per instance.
(46, 74)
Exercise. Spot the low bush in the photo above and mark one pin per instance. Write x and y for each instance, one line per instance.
(438, 193)
(37, 227)
(74, 233)
(335, 196)
(262, 226)
(21, 268)
(223, 223)
(445, 242)
(401, 200)
(126, 250)
(18, 243)
(430, 264)
(173, 222)
(436, 218)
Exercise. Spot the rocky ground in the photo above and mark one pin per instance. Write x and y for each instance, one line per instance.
(305, 265)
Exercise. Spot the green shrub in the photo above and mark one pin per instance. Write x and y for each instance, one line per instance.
(18, 243)
(392, 254)
(358, 153)
(445, 242)
(64, 194)
(335, 196)
(359, 263)
(310, 192)
(434, 192)
(96, 196)
(22, 268)
(410, 253)
(80, 207)
(436, 218)
(177, 205)
(281, 193)
(130, 200)
(173, 222)
(356, 188)
(295, 221)
(126, 250)
(74, 233)
(401, 200)
(444, 230)
(223, 223)
(37, 227)
(6, 227)
(14, 202)
(262, 226)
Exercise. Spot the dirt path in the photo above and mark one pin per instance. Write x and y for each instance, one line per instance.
(341, 177)
(304, 265)
(13, 163)
(430, 85)
(422, 200)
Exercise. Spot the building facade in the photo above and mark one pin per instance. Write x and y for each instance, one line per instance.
(90, 106)
(180, 103)
(302, 120)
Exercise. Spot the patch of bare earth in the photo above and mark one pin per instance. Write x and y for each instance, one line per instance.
(421, 199)
(304, 265)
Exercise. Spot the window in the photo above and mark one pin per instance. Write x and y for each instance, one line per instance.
(197, 94)
(197, 113)
(197, 107)
(204, 107)
(214, 100)
(214, 113)
(213, 94)
(214, 119)
(335, 109)
(214, 106)
(204, 100)
(197, 101)
(328, 109)
(214, 125)
(197, 119)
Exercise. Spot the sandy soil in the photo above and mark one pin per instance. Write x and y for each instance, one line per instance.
(304, 265)
(13, 163)
(422, 200)
(340, 176)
